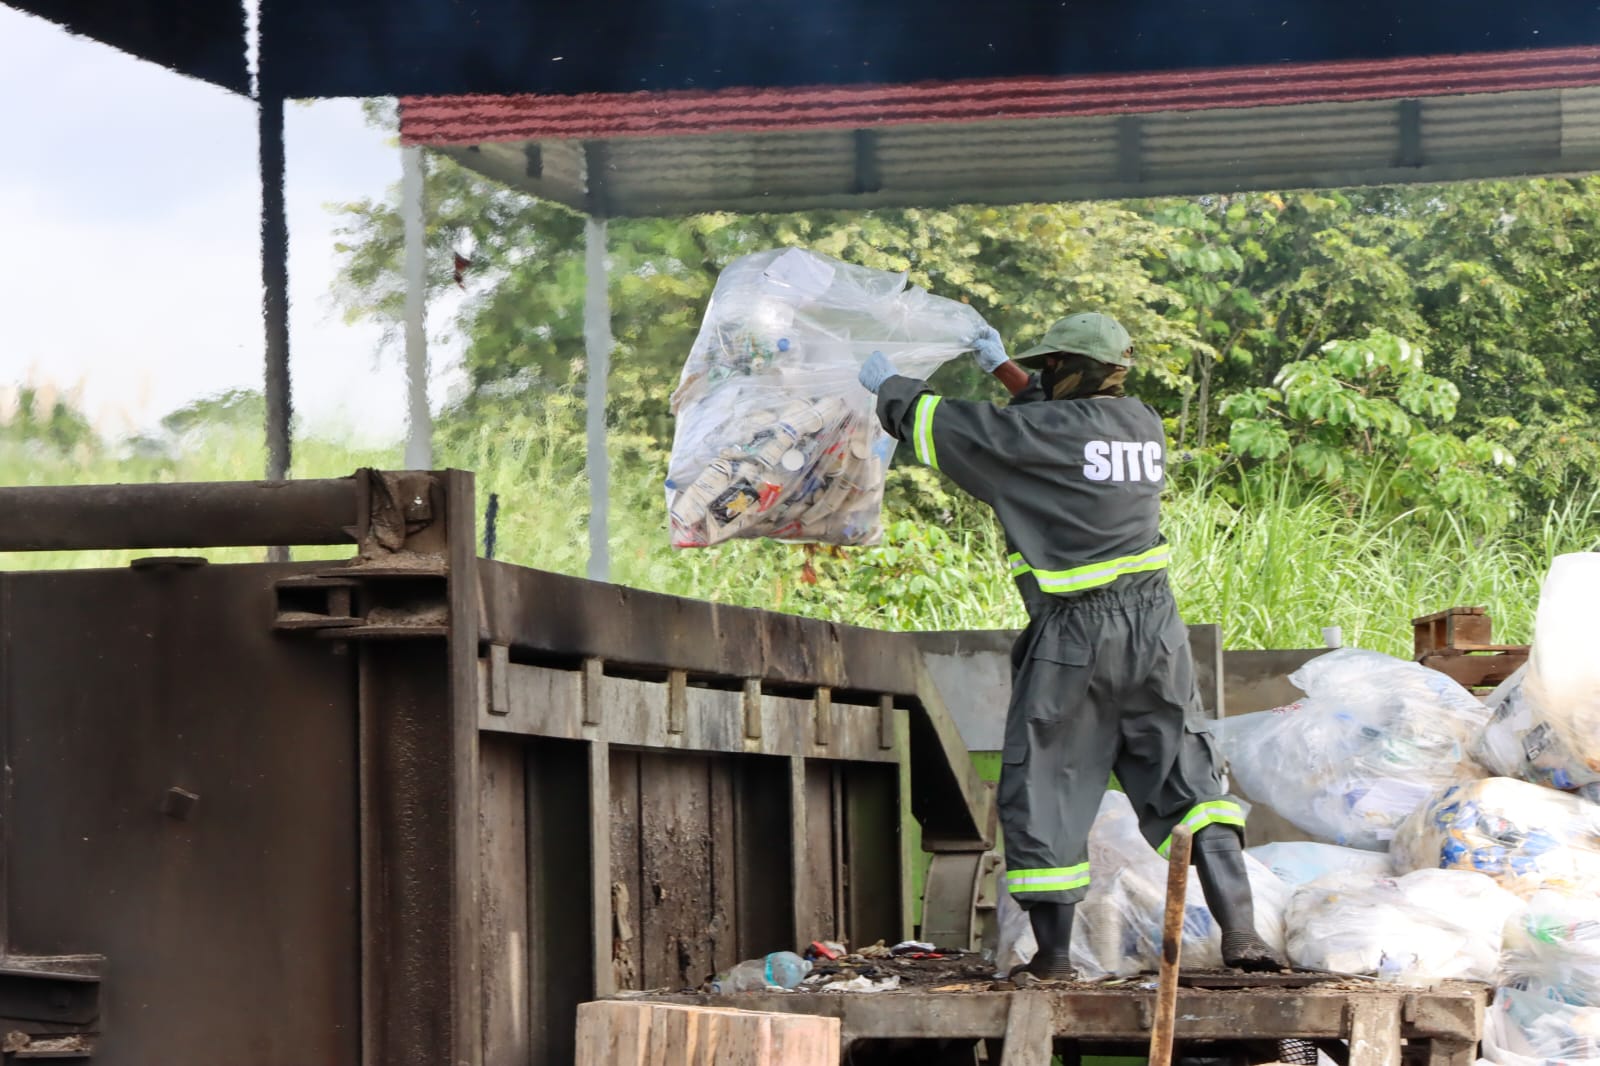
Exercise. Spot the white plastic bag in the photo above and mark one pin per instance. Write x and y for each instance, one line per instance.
(1299, 862)
(1524, 836)
(1533, 1027)
(1374, 737)
(775, 436)
(1555, 943)
(1016, 945)
(1431, 924)
(1546, 723)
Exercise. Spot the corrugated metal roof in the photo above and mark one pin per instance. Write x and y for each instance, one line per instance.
(1099, 157)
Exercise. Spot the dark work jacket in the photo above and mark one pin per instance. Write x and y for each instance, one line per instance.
(1076, 484)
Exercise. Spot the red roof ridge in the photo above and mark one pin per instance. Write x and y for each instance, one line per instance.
(478, 118)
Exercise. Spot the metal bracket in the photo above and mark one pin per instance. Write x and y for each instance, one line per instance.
(752, 708)
(593, 682)
(50, 1005)
(677, 701)
(499, 679)
(950, 899)
(822, 717)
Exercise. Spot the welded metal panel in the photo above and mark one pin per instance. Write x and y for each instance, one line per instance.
(229, 920)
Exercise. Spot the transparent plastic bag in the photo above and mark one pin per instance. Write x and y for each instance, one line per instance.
(1526, 837)
(1555, 943)
(1016, 944)
(775, 437)
(1427, 925)
(1546, 722)
(1299, 862)
(1374, 737)
(1117, 928)
(1532, 1026)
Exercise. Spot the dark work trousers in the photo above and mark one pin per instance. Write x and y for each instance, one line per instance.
(1101, 682)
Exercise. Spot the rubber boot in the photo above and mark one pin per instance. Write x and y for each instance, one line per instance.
(1219, 857)
(1052, 929)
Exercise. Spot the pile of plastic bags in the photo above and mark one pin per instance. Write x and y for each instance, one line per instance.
(775, 436)
(1374, 737)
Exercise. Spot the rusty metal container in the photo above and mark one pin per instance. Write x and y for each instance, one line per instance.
(415, 806)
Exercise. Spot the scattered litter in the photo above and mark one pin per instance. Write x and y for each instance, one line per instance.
(825, 949)
(1524, 836)
(1374, 737)
(914, 947)
(861, 984)
(780, 970)
(1427, 925)
(775, 436)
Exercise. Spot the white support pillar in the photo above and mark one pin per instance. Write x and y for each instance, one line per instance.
(419, 419)
(597, 350)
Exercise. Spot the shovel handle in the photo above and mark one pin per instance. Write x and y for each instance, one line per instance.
(1171, 948)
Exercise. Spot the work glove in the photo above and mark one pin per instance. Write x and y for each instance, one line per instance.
(875, 371)
(988, 350)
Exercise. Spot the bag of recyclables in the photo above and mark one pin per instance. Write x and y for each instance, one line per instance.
(1555, 943)
(1526, 837)
(1534, 1026)
(1373, 738)
(775, 436)
(1427, 925)
(1299, 862)
(1546, 717)
(1116, 930)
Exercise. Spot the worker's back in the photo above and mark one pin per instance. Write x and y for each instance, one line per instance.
(1080, 497)
(1076, 483)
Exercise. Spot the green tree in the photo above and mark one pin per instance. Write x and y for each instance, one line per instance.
(1357, 412)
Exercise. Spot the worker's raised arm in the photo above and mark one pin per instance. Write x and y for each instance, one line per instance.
(992, 358)
(972, 443)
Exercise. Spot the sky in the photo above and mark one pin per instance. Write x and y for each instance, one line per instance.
(130, 215)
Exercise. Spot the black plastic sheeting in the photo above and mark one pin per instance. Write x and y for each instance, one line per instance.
(391, 47)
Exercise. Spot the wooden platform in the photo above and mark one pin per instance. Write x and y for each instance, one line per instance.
(1438, 1027)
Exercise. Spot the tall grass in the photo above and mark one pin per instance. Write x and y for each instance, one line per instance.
(1271, 561)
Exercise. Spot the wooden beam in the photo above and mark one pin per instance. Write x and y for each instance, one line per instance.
(1030, 1031)
(1375, 1031)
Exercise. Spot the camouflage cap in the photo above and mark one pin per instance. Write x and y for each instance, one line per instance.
(1090, 333)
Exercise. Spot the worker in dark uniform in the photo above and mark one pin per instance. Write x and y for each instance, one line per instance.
(1102, 678)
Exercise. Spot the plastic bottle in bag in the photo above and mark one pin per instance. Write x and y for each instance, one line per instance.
(1556, 943)
(781, 969)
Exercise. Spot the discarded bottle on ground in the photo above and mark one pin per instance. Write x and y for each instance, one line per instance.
(783, 969)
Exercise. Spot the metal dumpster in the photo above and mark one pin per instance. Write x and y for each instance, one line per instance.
(414, 806)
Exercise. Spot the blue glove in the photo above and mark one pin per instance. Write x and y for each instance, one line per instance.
(988, 350)
(875, 371)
